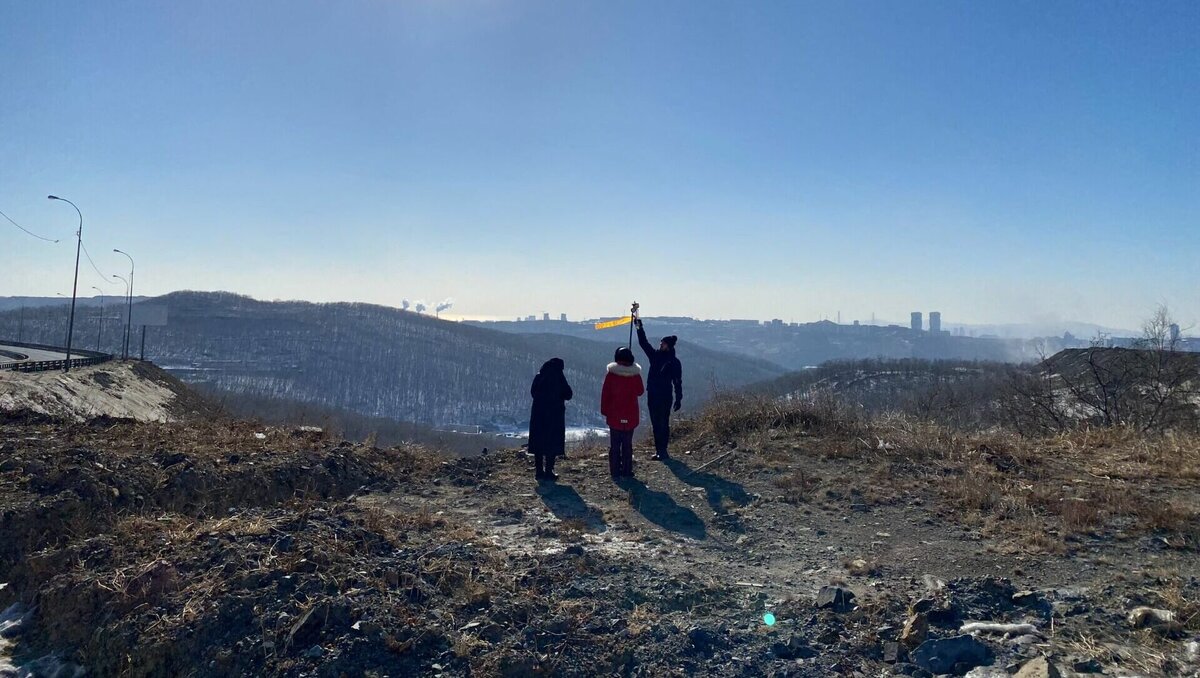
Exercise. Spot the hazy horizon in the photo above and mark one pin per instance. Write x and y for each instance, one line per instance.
(998, 162)
(1044, 326)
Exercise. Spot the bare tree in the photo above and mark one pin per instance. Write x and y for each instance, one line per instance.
(1150, 385)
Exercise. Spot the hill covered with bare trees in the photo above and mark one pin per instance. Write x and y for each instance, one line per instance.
(373, 360)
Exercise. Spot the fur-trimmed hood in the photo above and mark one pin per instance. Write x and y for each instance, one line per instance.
(620, 370)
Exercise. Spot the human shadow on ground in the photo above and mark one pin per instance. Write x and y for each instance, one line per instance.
(566, 504)
(660, 509)
(718, 492)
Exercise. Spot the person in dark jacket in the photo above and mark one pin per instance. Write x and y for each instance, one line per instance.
(619, 405)
(664, 380)
(548, 417)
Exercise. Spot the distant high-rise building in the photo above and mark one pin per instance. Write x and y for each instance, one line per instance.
(545, 316)
(915, 323)
(562, 317)
(1174, 333)
(935, 322)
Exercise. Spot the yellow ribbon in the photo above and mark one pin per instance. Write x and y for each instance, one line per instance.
(614, 323)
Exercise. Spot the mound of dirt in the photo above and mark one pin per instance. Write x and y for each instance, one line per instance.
(115, 390)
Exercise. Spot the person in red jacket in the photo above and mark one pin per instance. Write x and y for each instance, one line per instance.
(619, 405)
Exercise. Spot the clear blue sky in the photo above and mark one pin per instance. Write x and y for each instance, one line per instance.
(997, 161)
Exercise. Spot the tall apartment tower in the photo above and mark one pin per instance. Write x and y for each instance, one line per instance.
(915, 324)
(1174, 333)
(935, 322)
(562, 317)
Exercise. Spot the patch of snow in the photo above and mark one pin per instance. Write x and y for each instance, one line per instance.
(51, 666)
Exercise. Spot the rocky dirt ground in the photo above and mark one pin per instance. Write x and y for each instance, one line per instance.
(810, 546)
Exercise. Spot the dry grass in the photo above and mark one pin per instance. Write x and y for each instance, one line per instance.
(797, 486)
(1080, 515)
(974, 493)
(1034, 491)
(1127, 454)
(732, 415)
(1187, 610)
(641, 618)
(1150, 657)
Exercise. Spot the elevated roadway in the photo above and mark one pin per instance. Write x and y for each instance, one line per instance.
(17, 354)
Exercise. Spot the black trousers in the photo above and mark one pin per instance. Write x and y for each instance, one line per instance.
(544, 463)
(660, 419)
(620, 452)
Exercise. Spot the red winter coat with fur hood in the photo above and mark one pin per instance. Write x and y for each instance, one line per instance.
(619, 397)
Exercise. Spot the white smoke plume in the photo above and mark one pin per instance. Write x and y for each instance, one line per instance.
(445, 304)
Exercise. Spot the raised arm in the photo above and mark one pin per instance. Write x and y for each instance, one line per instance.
(643, 341)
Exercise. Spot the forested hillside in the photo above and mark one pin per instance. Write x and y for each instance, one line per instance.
(373, 360)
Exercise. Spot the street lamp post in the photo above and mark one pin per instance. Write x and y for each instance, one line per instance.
(60, 294)
(129, 303)
(100, 318)
(127, 289)
(75, 283)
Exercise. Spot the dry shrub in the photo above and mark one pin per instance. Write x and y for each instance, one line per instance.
(1166, 516)
(905, 439)
(1081, 515)
(1121, 451)
(598, 447)
(1097, 507)
(1008, 453)
(1038, 541)
(974, 491)
(1175, 599)
(731, 415)
(797, 486)
(641, 618)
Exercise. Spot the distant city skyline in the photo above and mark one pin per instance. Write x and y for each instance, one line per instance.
(998, 162)
(1080, 328)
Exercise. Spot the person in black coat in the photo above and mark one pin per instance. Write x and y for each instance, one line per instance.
(548, 417)
(665, 379)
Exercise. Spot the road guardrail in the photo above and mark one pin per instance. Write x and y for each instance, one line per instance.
(86, 358)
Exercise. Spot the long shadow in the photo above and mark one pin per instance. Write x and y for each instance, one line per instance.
(717, 491)
(566, 504)
(660, 509)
